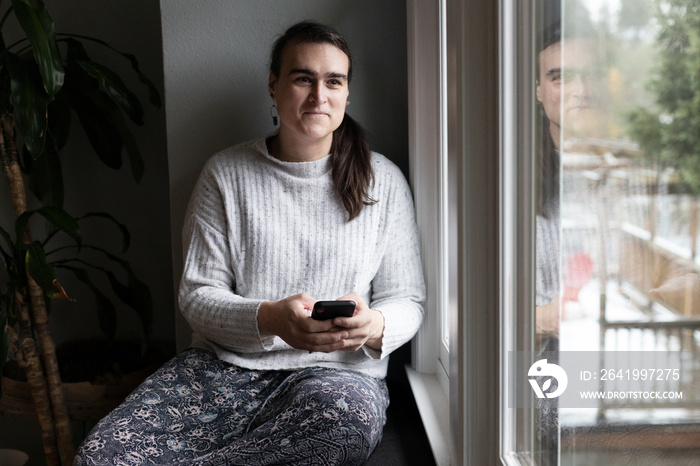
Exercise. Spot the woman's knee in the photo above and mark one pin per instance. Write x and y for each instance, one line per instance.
(342, 405)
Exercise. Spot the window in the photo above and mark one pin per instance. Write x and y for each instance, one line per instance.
(611, 177)
(456, 415)
(616, 256)
(428, 176)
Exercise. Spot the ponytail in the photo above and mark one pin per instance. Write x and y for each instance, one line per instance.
(352, 172)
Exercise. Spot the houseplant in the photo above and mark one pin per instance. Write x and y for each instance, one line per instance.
(45, 78)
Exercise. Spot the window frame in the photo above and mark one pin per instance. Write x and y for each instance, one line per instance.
(472, 112)
(518, 213)
(428, 374)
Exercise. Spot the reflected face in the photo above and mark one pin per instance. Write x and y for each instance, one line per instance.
(564, 87)
(311, 91)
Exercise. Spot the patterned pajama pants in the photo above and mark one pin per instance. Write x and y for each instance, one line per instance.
(198, 410)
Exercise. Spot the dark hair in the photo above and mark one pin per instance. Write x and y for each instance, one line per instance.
(555, 27)
(548, 158)
(352, 172)
(551, 34)
(548, 166)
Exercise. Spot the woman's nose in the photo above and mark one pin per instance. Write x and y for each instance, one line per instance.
(317, 93)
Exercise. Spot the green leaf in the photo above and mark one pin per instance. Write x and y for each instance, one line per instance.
(125, 101)
(59, 122)
(100, 116)
(56, 216)
(103, 136)
(154, 95)
(12, 276)
(61, 220)
(39, 28)
(134, 293)
(29, 100)
(115, 88)
(106, 312)
(81, 92)
(45, 176)
(8, 239)
(20, 228)
(42, 273)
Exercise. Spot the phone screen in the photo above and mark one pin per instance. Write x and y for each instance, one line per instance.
(324, 310)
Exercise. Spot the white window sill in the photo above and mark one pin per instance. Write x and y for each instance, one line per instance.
(434, 412)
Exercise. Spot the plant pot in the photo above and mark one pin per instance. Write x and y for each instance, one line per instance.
(13, 457)
(85, 401)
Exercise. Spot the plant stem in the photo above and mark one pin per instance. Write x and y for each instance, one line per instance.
(61, 422)
(29, 361)
(37, 382)
(53, 377)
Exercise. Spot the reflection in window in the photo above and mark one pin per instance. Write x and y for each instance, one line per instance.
(617, 228)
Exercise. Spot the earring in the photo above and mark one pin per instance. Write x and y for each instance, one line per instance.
(273, 110)
(274, 114)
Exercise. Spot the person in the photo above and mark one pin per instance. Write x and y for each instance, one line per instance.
(308, 213)
(564, 93)
(549, 94)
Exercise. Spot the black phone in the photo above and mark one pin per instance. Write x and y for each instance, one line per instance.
(324, 310)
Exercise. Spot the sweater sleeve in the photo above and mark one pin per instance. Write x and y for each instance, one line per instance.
(206, 297)
(398, 289)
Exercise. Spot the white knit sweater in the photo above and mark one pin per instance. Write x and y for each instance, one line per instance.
(259, 229)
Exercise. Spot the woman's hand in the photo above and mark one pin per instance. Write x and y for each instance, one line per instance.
(365, 327)
(289, 319)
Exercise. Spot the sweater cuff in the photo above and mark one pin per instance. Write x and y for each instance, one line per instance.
(372, 353)
(267, 341)
(401, 322)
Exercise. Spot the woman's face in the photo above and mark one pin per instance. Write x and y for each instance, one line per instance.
(311, 91)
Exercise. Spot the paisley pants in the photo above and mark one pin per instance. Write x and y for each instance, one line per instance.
(198, 410)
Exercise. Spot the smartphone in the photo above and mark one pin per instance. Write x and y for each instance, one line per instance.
(324, 310)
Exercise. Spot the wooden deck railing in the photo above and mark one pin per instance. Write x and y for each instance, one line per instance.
(674, 354)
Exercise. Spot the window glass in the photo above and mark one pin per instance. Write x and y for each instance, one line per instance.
(617, 287)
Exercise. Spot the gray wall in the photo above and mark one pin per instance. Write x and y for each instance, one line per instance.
(215, 55)
(211, 62)
(131, 26)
